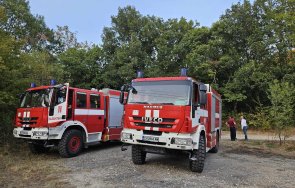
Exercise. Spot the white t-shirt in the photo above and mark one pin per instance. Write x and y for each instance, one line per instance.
(243, 123)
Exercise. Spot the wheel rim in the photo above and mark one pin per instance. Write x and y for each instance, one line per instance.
(74, 144)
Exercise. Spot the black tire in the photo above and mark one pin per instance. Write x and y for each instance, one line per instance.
(38, 148)
(138, 156)
(71, 143)
(197, 165)
(216, 147)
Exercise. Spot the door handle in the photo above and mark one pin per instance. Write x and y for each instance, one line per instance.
(99, 117)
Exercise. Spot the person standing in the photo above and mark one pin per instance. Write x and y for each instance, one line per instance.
(232, 127)
(244, 127)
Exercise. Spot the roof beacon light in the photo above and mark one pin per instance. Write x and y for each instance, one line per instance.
(139, 74)
(52, 82)
(32, 85)
(183, 72)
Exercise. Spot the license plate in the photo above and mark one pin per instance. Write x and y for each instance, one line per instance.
(24, 133)
(150, 138)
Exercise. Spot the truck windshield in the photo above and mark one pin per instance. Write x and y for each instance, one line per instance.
(36, 98)
(161, 92)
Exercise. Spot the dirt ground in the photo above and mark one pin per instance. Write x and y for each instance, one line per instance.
(255, 163)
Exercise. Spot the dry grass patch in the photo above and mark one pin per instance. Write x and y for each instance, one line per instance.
(262, 148)
(20, 168)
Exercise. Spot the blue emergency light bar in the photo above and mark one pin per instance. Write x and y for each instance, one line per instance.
(53, 82)
(32, 85)
(183, 72)
(139, 74)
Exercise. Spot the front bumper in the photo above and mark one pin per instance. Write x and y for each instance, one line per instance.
(165, 140)
(37, 133)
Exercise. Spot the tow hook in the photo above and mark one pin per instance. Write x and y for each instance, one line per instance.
(192, 157)
(48, 145)
(124, 147)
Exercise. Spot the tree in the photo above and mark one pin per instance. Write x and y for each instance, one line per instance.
(66, 38)
(82, 66)
(147, 43)
(24, 26)
(252, 44)
(282, 97)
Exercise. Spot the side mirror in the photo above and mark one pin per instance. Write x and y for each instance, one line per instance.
(203, 88)
(203, 98)
(51, 110)
(203, 94)
(122, 95)
(20, 97)
(133, 90)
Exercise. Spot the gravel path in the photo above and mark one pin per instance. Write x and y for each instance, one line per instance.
(107, 166)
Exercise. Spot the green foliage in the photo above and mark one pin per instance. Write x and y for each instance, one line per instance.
(136, 42)
(25, 27)
(260, 120)
(282, 97)
(81, 66)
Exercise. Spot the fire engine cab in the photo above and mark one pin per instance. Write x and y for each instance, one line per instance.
(165, 114)
(69, 118)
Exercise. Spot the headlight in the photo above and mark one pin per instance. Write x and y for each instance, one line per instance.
(40, 133)
(126, 136)
(182, 141)
(14, 132)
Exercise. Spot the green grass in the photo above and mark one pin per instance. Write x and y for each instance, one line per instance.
(271, 144)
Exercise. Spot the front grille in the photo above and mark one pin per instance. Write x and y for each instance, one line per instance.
(154, 143)
(154, 125)
(148, 132)
(27, 136)
(28, 120)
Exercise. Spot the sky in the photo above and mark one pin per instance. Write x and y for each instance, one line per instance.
(87, 18)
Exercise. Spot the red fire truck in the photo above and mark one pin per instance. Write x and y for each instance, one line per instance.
(69, 118)
(171, 113)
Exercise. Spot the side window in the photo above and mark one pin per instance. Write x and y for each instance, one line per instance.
(94, 101)
(81, 100)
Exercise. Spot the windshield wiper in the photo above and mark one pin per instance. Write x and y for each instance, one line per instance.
(168, 103)
(139, 102)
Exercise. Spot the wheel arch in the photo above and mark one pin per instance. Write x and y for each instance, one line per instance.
(69, 125)
(196, 136)
(80, 128)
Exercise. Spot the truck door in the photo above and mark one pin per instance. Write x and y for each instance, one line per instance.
(95, 121)
(58, 105)
(81, 111)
